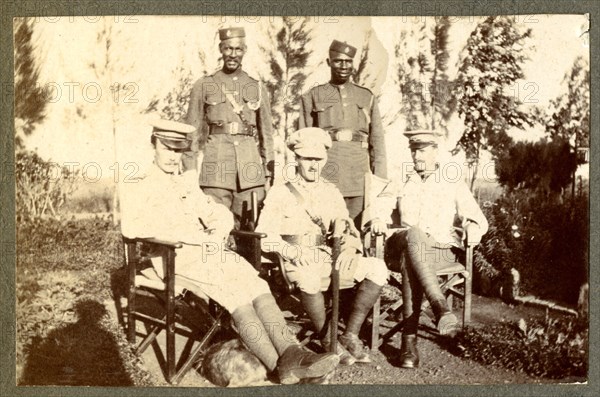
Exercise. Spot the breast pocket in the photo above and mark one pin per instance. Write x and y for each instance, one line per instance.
(215, 107)
(324, 114)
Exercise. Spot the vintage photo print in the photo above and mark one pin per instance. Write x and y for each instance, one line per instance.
(237, 200)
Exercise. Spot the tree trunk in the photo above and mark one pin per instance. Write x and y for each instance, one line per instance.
(474, 170)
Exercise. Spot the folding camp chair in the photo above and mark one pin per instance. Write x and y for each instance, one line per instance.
(174, 309)
(271, 268)
(455, 280)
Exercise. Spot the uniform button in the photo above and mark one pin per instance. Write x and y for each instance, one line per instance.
(235, 143)
(235, 79)
(345, 104)
(341, 87)
(344, 96)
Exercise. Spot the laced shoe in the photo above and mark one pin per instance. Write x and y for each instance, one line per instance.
(355, 347)
(448, 325)
(345, 357)
(298, 363)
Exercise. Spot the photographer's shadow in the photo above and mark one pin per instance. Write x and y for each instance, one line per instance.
(78, 354)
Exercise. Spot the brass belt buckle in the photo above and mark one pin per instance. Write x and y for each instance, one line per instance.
(344, 135)
(234, 128)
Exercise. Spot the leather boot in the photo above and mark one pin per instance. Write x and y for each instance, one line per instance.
(298, 363)
(409, 355)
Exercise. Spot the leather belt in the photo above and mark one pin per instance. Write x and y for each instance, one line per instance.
(233, 128)
(311, 240)
(347, 135)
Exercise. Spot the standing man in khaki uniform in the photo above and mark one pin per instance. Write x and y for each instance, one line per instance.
(350, 115)
(231, 112)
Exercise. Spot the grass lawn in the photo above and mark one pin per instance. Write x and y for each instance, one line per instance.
(63, 279)
(67, 270)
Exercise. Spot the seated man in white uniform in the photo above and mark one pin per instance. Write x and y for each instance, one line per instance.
(297, 217)
(428, 201)
(167, 205)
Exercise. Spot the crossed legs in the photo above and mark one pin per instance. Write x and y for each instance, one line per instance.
(423, 256)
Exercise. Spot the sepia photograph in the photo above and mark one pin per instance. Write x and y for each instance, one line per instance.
(212, 201)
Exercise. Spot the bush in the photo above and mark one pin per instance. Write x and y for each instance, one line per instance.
(554, 349)
(41, 186)
(545, 240)
(544, 166)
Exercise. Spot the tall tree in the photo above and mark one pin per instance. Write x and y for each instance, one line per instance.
(110, 66)
(422, 61)
(362, 73)
(492, 63)
(570, 119)
(287, 56)
(174, 105)
(571, 110)
(30, 97)
(441, 104)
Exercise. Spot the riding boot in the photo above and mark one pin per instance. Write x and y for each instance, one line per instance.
(409, 355)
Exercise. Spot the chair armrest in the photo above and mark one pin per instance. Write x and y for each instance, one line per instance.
(245, 233)
(391, 227)
(463, 233)
(152, 240)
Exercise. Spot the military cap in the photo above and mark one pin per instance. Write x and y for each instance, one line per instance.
(309, 142)
(230, 33)
(342, 48)
(172, 134)
(421, 138)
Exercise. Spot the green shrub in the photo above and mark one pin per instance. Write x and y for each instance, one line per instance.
(555, 349)
(42, 187)
(545, 240)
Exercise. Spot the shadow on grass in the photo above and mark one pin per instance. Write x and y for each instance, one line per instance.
(78, 354)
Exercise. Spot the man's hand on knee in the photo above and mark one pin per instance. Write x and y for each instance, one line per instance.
(379, 227)
(347, 262)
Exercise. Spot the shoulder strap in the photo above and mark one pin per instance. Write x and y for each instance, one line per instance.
(237, 107)
(316, 219)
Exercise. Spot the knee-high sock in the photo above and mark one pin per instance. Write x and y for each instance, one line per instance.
(367, 295)
(412, 296)
(314, 304)
(253, 333)
(272, 319)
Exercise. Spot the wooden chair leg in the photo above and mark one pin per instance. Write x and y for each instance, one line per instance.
(375, 324)
(170, 261)
(197, 352)
(130, 259)
(468, 286)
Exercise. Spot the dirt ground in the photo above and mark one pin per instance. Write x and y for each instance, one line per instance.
(438, 363)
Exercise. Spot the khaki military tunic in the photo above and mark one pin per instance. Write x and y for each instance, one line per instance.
(350, 111)
(232, 160)
(284, 215)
